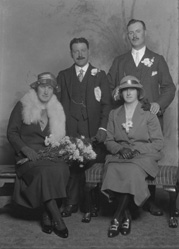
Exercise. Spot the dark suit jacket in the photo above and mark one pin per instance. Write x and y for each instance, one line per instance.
(156, 79)
(97, 110)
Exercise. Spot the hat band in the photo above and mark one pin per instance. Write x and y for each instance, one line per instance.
(130, 82)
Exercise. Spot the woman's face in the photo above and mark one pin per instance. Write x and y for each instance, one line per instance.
(130, 95)
(44, 92)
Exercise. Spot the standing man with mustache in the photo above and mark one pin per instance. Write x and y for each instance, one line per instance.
(86, 99)
(152, 71)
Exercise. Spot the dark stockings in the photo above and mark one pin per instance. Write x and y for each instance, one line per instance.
(122, 205)
(52, 207)
(91, 199)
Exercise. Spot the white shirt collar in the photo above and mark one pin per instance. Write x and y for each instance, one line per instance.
(85, 68)
(140, 51)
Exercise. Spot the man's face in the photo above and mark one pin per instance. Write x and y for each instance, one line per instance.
(136, 35)
(80, 54)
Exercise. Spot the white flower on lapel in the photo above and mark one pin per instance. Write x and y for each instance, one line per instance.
(94, 71)
(97, 93)
(127, 125)
(148, 62)
(154, 73)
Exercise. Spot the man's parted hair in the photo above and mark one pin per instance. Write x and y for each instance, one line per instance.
(79, 40)
(132, 21)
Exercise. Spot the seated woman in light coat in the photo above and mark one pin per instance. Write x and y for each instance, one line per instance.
(135, 139)
(39, 182)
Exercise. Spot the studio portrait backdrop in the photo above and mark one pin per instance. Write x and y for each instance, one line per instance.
(35, 36)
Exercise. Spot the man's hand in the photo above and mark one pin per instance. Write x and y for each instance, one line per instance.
(126, 153)
(152, 107)
(100, 136)
(155, 108)
(29, 153)
(146, 105)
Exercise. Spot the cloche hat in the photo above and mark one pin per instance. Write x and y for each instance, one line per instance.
(45, 78)
(128, 82)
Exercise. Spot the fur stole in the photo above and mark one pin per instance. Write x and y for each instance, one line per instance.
(31, 113)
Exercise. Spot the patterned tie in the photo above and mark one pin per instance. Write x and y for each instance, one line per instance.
(80, 75)
(137, 59)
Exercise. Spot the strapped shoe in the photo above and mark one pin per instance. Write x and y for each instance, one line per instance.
(173, 222)
(63, 233)
(94, 211)
(114, 228)
(126, 227)
(68, 210)
(46, 224)
(86, 218)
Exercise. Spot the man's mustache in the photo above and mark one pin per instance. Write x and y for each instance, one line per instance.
(80, 58)
(135, 39)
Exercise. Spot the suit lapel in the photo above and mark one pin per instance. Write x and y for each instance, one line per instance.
(145, 69)
(129, 64)
(136, 119)
(91, 82)
(120, 119)
(70, 78)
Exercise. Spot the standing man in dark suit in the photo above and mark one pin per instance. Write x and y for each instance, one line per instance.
(152, 71)
(86, 99)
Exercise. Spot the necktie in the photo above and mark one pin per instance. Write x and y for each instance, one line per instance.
(80, 75)
(137, 59)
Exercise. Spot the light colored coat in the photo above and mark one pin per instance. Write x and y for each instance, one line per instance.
(145, 136)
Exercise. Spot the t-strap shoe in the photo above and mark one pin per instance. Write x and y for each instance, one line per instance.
(126, 227)
(114, 228)
(126, 223)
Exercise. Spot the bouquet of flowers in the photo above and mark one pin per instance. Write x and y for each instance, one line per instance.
(71, 149)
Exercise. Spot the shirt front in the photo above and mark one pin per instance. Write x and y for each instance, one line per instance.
(140, 52)
(85, 68)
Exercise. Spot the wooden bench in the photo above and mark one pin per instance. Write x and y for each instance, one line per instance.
(7, 175)
(166, 179)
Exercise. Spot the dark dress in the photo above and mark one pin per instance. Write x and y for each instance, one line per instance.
(39, 181)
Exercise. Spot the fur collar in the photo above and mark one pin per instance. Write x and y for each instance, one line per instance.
(31, 112)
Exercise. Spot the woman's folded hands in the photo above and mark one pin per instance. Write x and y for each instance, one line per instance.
(127, 153)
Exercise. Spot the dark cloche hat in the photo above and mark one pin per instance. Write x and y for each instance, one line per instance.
(45, 78)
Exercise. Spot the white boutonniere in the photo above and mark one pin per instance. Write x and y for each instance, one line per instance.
(127, 125)
(154, 73)
(97, 93)
(94, 71)
(148, 62)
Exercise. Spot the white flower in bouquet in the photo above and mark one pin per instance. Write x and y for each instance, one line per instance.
(70, 149)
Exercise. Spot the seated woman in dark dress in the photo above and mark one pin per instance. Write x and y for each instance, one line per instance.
(36, 116)
(135, 139)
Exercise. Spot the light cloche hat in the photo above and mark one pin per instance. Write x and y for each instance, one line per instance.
(128, 82)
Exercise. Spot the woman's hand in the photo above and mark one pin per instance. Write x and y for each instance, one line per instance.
(135, 153)
(126, 153)
(29, 153)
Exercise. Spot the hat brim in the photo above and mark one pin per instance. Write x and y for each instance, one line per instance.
(35, 84)
(117, 91)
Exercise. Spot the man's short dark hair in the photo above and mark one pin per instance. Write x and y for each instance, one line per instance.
(79, 40)
(132, 21)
